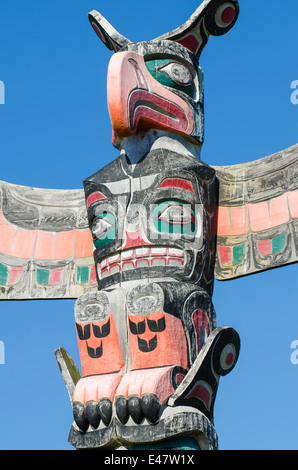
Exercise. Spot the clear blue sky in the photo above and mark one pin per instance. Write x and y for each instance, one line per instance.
(55, 131)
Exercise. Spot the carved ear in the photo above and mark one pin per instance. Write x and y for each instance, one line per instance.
(105, 31)
(212, 17)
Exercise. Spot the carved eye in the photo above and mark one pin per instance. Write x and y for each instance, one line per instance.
(178, 73)
(172, 74)
(174, 217)
(100, 227)
(177, 214)
(103, 229)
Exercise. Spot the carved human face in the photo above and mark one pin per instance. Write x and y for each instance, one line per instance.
(153, 220)
(155, 85)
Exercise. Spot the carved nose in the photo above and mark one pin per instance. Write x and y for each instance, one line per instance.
(134, 216)
(135, 227)
(134, 239)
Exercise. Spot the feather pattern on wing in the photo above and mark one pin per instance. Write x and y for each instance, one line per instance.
(45, 243)
(257, 224)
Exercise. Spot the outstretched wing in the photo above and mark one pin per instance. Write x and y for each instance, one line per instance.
(45, 243)
(257, 225)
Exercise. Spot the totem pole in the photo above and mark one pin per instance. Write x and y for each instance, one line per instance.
(162, 225)
(152, 215)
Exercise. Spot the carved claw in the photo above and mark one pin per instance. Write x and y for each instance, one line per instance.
(134, 409)
(105, 410)
(147, 406)
(92, 413)
(122, 410)
(79, 414)
(142, 392)
(150, 406)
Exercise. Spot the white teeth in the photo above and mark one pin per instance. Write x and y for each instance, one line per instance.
(175, 252)
(175, 262)
(141, 257)
(158, 262)
(114, 259)
(115, 269)
(142, 252)
(127, 266)
(142, 263)
(103, 264)
(159, 251)
(128, 254)
(104, 273)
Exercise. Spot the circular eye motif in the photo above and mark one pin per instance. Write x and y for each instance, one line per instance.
(227, 357)
(225, 14)
(103, 229)
(178, 73)
(220, 19)
(226, 351)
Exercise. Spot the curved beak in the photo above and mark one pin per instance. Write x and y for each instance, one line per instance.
(137, 101)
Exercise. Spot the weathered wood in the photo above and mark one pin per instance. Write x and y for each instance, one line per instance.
(68, 369)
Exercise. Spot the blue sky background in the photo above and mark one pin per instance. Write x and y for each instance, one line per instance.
(55, 131)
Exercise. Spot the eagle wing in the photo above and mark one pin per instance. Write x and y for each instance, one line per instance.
(45, 244)
(257, 223)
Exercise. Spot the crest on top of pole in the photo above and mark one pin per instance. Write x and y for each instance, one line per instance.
(212, 17)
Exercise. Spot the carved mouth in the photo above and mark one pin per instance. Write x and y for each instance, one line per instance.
(145, 105)
(140, 257)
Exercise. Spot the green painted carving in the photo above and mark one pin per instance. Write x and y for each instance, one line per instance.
(3, 274)
(173, 74)
(42, 276)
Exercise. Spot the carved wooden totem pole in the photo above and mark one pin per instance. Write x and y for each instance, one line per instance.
(152, 214)
(162, 224)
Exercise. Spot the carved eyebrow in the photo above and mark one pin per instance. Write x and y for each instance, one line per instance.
(97, 196)
(177, 183)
